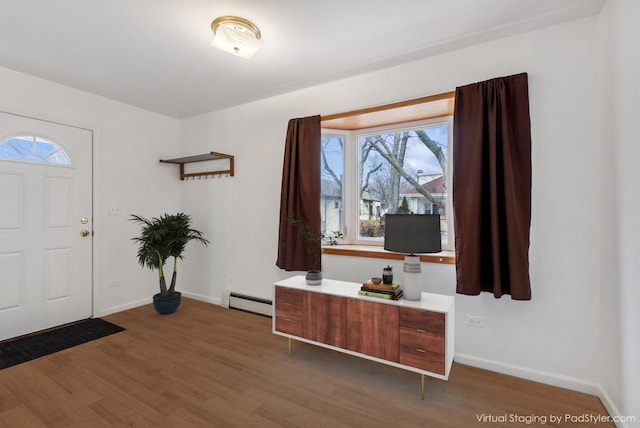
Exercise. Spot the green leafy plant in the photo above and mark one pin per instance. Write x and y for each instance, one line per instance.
(163, 237)
(321, 238)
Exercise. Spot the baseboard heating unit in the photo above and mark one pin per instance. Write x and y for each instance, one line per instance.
(243, 302)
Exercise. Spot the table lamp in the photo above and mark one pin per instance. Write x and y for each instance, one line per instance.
(412, 234)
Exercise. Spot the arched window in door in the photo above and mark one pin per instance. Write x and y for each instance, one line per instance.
(34, 149)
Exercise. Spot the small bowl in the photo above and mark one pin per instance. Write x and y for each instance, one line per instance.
(376, 280)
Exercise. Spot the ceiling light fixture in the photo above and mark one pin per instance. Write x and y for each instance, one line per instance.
(236, 35)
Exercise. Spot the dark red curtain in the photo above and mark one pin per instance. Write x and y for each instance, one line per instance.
(300, 197)
(492, 187)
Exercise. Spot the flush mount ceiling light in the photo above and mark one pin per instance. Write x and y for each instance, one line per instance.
(236, 35)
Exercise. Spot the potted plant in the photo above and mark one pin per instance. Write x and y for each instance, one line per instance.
(314, 275)
(160, 238)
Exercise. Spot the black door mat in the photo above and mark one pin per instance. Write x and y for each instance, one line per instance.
(26, 348)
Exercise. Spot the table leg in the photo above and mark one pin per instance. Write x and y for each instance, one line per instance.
(422, 385)
(289, 347)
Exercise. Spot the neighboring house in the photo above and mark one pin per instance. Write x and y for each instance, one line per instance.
(330, 206)
(370, 216)
(331, 210)
(418, 204)
(370, 207)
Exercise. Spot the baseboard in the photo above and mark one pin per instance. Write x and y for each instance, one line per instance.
(131, 305)
(529, 374)
(126, 306)
(202, 298)
(546, 378)
(611, 408)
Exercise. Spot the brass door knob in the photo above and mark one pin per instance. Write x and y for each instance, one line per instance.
(85, 232)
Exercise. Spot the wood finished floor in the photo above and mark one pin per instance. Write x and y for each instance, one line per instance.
(206, 366)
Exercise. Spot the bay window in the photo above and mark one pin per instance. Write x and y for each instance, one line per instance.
(367, 173)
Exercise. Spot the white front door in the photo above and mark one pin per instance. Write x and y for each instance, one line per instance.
(45, 224)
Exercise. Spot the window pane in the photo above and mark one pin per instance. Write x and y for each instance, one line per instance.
(331, 207)
(7, 151)
(44, 148)
(402, 171)
(24, 145)
(33, 149)
(59, 158)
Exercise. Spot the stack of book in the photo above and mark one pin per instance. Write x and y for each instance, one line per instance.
(391, 291)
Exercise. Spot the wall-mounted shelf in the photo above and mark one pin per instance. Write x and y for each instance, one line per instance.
(200, 158)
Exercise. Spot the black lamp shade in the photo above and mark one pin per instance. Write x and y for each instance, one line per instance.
(412, 233)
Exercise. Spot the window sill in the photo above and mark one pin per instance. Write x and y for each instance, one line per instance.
(445, 257)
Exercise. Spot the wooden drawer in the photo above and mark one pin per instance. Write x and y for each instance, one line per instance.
(423, 320)
(421, 339)
(289, 296)
(288, 310)
(422, 359)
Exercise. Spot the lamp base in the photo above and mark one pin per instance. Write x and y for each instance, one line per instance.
(412, 286)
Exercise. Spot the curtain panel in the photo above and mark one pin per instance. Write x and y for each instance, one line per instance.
(300, 196)
(492, 187)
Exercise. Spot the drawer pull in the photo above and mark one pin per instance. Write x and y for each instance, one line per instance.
(419, 330)
(420, 350)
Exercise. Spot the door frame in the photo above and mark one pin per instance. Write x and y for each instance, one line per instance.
(95, 199)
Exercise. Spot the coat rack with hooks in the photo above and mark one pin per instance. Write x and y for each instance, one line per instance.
(200, 158)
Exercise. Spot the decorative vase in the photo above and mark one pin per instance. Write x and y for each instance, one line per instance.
(314, 277)
(167, 305)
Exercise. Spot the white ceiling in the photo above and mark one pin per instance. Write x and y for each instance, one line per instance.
(155, 54)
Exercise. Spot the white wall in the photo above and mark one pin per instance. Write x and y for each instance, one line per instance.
(610, 339)
(127, 145)
(620, 294)
(552, 338)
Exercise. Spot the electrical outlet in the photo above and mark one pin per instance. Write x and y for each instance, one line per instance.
(475, 321)
(114, 210)
(114, 283)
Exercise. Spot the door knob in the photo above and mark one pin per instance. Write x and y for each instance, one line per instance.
(84, 232)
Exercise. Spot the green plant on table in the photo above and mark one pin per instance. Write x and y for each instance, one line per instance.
(322, 237)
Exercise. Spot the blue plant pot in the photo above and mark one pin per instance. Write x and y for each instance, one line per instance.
(167, 305)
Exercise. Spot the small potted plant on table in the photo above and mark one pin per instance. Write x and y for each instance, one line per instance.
(315, 239)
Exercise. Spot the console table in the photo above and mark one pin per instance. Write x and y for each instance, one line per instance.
(413, 335)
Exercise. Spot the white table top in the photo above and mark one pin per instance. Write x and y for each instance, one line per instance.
(429, 301)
